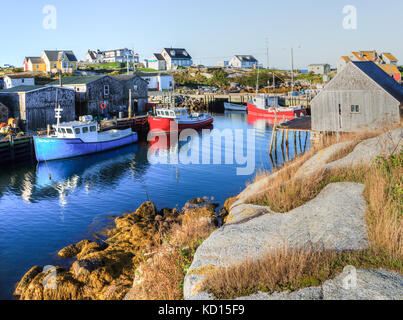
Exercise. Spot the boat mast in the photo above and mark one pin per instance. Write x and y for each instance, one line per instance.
(58, 114)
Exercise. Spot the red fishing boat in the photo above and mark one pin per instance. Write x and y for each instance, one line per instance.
(268, 107)
(177, 119)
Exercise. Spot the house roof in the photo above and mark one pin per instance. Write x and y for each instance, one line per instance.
(34, 60)
(29, 88)
(125, 77)
(54, 55)
(21, 89)
(390, 68)
(246, 58)
(318, 64)
(381, 78)
(389, 56)
(178, 53)
(19, 76)
(77, 80)
(159, 56)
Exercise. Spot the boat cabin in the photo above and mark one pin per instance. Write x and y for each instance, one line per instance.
(86, 131)
(171, 113)
(265, 102)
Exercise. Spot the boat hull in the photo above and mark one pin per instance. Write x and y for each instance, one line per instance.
(234, 107)
(47, 148)
(282, 115)
(168, 125)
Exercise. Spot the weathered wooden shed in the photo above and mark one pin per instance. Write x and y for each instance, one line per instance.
(34, 106)
(110, 92)
(139, 88)
(361, 96)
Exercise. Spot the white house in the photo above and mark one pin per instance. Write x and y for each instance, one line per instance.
(15, 80)
(223, 63)
(158, 81)
(319, 68)
(176, 57)
(115, 55)
(157, 62)
(243, 61)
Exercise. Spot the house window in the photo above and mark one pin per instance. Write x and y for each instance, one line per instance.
(55, 65)
(355, 109)
(22, 80)
(37, 66)
(106, 90)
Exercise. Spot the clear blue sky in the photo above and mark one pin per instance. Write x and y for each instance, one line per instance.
(210, 30)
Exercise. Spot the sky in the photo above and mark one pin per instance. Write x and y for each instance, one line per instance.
(211, 30)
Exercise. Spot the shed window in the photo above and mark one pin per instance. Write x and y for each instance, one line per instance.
(93, 128)
(355, 109)
(106, 90)
(85, 129)
(77, 130)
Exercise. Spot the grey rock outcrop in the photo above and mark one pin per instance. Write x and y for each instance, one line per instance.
(365, 152)
(370, 285)
(334, 220)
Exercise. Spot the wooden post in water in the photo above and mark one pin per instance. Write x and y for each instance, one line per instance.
(130, 103)
(299, 139)
(306, 140)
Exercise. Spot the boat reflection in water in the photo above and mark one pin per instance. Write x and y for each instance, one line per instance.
(64, 176)
(261, 123)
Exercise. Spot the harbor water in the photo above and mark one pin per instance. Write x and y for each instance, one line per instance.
(45, 207)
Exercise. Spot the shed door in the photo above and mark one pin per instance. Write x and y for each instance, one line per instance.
(340, 118)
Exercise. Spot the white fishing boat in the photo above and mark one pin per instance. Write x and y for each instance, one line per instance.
(235, 107)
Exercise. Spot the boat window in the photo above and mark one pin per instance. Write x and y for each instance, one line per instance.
(69, 131)
(166, 113)
(63, 130)
(60, 130)
(77, 130)
(93, 128)
(172, 114)
(85, 129)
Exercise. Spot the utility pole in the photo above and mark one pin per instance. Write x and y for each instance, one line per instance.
(127, 58)
(292, 69)
(267, 53)
(257, 81)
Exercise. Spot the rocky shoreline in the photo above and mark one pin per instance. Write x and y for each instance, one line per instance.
(106, 270)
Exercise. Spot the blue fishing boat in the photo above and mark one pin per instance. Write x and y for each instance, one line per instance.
(78, 138)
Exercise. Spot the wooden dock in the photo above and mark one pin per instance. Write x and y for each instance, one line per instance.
(297, 124)
(297, 127)
(15, 150)
(138, 124)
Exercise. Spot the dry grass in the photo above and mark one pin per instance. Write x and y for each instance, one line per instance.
(294, 269)
(161, 277)
(285, 196)
(290, 270)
